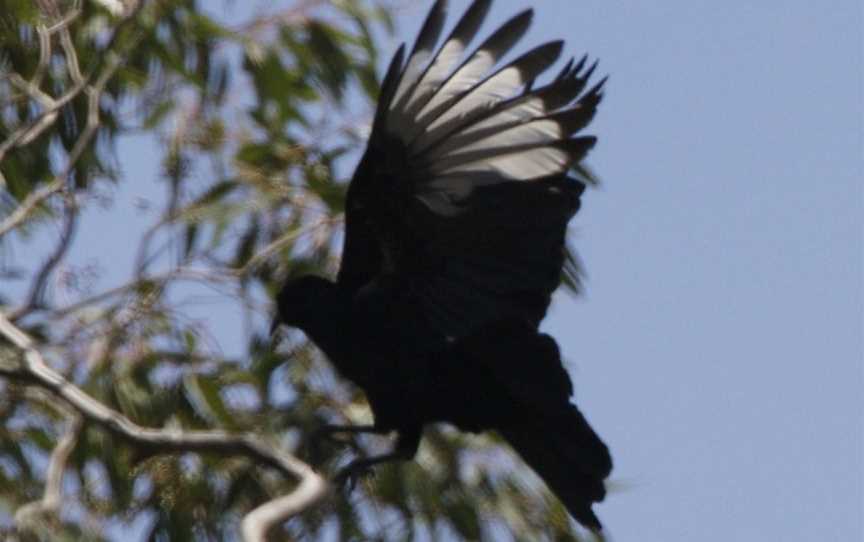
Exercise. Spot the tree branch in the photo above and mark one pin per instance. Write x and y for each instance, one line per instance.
(30, 514)
(31, 202)
(31, 88)
(312, 487)
(105, 68)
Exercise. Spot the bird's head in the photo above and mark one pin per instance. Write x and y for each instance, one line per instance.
(304, 300)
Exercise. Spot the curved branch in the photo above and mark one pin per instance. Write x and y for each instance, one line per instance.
(31, 513)
(311, 488)
(257, 523)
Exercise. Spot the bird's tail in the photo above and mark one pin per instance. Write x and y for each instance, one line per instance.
(569, 456)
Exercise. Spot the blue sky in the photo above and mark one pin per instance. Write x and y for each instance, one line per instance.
(719, 346)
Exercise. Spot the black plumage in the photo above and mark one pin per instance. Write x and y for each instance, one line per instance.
(455, 232)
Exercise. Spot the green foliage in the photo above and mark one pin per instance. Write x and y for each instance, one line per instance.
(257, 121)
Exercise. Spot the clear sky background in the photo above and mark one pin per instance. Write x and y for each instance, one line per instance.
(719, 346)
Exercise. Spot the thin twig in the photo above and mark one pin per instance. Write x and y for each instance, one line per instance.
(71, 56)
(267, 252)
(67, 19)
(181, 273)
(221, 275)
(293, 14)
(44, 55)
(37, 289)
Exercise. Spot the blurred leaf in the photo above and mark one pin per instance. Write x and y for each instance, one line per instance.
(464, 519)
(203, 206)
(189, 239)
(248, 242)
(206, 28)
(20, 11)
(204, 393)
(158, 114)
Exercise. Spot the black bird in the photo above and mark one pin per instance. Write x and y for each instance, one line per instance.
(455, 241)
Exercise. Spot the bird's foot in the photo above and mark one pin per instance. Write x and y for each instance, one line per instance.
(352, 473)
(338, 435)
(325, 433)
(329, 432)
(359, 468)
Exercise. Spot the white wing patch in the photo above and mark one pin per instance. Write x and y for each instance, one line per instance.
(464, 126)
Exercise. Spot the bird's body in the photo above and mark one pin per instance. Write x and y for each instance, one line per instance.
(455, 239)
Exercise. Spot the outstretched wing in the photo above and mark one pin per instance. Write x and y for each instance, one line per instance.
(470, 176)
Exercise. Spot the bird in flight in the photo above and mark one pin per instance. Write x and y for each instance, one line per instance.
(454, 242)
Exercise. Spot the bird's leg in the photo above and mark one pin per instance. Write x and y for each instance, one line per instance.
(328, 431)
(351, 473)
(405, 450)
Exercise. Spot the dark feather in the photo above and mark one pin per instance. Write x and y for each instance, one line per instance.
(388, 88)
